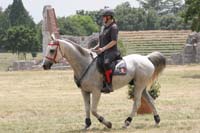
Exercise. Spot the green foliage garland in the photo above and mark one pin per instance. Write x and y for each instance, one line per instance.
(154, 90)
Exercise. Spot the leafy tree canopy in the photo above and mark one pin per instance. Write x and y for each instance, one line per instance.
(19, 16)
(192, 13)
(77, 25)
(21, 39)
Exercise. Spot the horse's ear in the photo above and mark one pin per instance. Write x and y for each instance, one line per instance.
(53, 37)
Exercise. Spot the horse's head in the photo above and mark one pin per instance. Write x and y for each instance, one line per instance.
(53, 54)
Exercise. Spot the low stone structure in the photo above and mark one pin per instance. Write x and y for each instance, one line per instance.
(23, 65)
(85, 41)
(191, 51)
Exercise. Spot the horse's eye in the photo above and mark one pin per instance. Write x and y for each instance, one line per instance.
(52, 51)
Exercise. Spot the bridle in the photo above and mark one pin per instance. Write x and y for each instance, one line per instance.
(57, 44)
(77, 80)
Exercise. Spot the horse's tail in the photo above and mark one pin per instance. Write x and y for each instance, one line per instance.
(159, 62)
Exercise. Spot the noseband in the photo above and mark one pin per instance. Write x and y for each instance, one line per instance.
(57, 44)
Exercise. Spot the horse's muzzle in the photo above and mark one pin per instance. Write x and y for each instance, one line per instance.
(47, 66)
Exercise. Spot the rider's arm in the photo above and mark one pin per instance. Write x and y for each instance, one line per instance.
(110, 45)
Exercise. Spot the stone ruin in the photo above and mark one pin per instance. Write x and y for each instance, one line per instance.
(23, 65)
(49, 26)
(190, 53)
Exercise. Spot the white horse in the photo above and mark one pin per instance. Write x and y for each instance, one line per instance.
(141, 69)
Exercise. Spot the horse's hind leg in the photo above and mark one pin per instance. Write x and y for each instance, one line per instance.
(95, 100)
(150, 102)
(139, 87)
(86, 98)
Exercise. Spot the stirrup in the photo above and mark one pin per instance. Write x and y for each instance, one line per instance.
(107, 88)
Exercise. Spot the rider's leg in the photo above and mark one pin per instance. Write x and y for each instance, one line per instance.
(108, 58)
(108, 75)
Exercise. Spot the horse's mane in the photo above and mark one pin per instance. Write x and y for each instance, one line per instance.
(83, 51)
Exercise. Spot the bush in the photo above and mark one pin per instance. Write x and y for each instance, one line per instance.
(121, 47)
(154, 90)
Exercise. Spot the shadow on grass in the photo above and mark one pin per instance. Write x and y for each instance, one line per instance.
(97, 130)
(118, 130)
(192, 76)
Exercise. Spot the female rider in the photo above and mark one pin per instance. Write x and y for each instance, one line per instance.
(107, 47)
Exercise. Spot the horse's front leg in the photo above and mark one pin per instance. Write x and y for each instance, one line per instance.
(86, 98)
(95, 100)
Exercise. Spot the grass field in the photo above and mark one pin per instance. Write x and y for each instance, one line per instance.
(49, 102)
(7, 59)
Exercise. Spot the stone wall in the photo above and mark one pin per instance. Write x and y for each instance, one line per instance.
(191, 51)
(85, 41)
(23, 65)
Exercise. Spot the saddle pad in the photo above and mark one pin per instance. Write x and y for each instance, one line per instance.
(120, 68)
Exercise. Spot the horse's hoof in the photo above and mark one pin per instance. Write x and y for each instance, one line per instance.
(109, 125)
(86, 128)
(124, 127)
(157, 125)
(127, 122)
(87, 123)
(157, 119)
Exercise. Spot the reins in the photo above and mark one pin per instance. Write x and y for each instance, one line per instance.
(78, 81)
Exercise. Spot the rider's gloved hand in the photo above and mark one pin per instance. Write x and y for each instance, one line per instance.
(98, 51)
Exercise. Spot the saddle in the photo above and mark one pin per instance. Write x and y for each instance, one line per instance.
(119, 67)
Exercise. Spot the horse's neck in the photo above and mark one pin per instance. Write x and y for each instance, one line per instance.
(76, 57)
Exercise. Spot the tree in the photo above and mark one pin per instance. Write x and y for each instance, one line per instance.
(172, 6)
(1, 9)
(7, 11)
(19, 16)
(193, 14)
(129, 18)
(151, 4)
(123, 16)
(172, 22)
(22, 40)
(95, 15)
(168, 22)
(4, 25)
(77, 25)
(4, 22)
(18, 31)
(162, 7)
(152, 19)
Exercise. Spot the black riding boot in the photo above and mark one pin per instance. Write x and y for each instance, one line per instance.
(107, 87)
